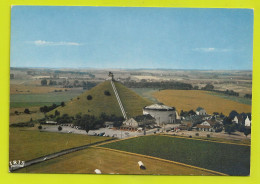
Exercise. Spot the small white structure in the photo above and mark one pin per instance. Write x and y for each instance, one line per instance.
(51, 122)
(247, 122)
(141, 165)
(97, 171)
(201, 111)
(235, 120)
(163, 114)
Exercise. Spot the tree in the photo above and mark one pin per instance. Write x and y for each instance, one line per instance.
(26, 111)
(208, 87)
(232, 114)
(247, 131)
(62, 104)
(89, 97)
(57, 113)
(229, 128)
(59, 128)
(44, 82)
(107, 93)
(87, 128)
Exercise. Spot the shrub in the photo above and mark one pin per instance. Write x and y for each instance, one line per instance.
(26, 111)
(62, 104)
(190, 136)
(16, 112)
(40, 127)
(22, 125)
(107, 93)
(89, 97)
(208, 135)
(59, 128)
(197, 134)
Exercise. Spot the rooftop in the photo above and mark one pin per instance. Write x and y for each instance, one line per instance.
(159, 107)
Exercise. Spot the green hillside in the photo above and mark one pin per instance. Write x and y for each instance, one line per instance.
(132, 102)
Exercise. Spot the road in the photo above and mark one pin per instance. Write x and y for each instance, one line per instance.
(54, 155)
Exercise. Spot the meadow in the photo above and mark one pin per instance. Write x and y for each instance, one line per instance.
(225, 158)
(191, 99)
(109, 162)
(29, 143)
(41, 99)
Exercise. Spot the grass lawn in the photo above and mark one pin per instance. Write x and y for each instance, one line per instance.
(29, 143)
(191, 99)
(86, 161)
(226, 158)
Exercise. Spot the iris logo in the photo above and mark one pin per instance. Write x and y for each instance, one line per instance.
(16, 164)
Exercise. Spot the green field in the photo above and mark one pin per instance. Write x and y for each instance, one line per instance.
(146, 93)
(225, 158)
(30, 100)
(132, 102)
(29, 143)
(233, 98)
(109, 162)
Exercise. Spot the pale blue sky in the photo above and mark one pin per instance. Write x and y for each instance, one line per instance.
(124, 37)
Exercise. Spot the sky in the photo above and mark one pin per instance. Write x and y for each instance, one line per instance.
(131, 38)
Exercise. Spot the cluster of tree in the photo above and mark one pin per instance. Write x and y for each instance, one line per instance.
(227, 92)
(231, 126)
(86, 121)
(210, 87)
(187, 113)
(46, 109)
(160, 85)
(76, 83)
(248, 96)
(74, 72)
(26, 124)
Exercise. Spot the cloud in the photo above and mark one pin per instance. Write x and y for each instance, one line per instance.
(211, 49)
(48, 43)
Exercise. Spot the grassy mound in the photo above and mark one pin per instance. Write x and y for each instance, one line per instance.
(102, 99)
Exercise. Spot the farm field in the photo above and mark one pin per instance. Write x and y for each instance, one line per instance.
(29, 143)
(30, 100)
(225, 158)
(32, 89)
(109, 162)
(191, 99)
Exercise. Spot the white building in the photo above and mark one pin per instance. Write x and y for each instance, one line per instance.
(247, 122)
(163, 114)
(131, 123)
(201, 111)
(235, 120)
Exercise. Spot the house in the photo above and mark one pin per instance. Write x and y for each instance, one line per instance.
(109, 124)
(200, 111)
(132, 124)
(247, 122)
(206, 126)
(235, 120)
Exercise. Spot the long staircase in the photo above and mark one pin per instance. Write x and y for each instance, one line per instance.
(118, 100)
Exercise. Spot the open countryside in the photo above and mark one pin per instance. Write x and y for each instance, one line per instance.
(191, 99)
(121, 92)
